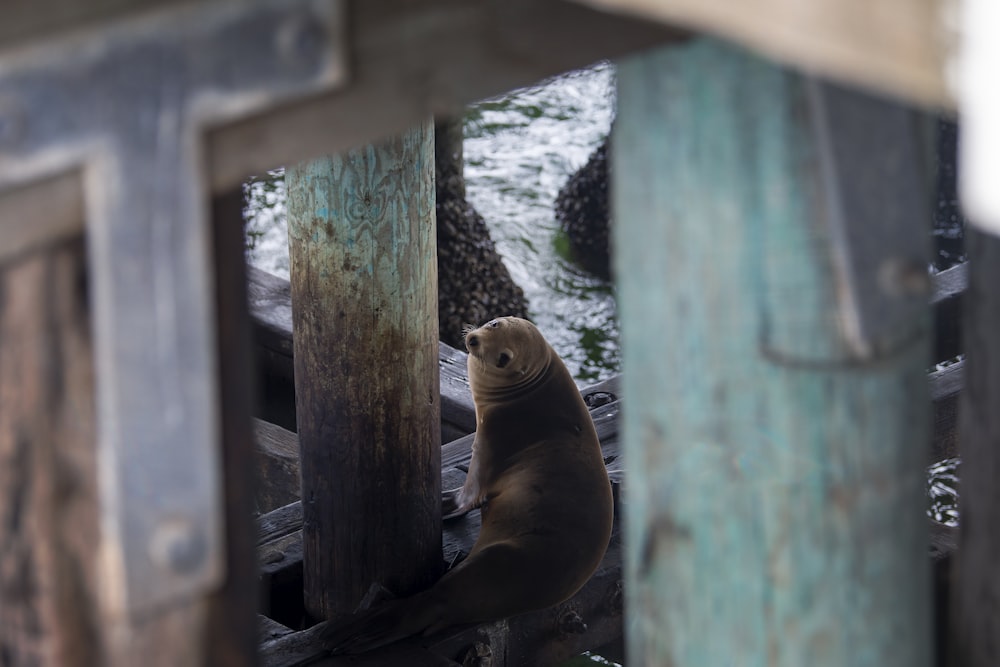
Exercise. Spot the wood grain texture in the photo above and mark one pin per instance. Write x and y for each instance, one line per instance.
(364, 293)
(947, 291)
(899, 46)
(49, 593)
(278, 480)
(413, 59)
(271, 310)
(975, 604)
(230, 630)
(773, 510)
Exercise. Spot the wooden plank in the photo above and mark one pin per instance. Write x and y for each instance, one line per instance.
(415, 59)
(946, 385)
(363, 256)
(41, 213)
(28, 20)
(49, 517)
(975, 619)
(764, 450)
(227, 628)
(947, 288)
(278, 480)
(897, 46)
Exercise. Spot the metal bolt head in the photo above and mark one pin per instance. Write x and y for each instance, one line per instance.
(301, 40)
(178, 546)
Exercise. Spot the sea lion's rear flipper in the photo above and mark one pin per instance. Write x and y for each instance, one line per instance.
(383, 625)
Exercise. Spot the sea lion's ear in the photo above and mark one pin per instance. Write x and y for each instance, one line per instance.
(503, 360)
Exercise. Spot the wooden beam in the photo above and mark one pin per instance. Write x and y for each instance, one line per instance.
(32, 20)
(415, 59)
(975, 619)
(775, 428)
(947, 288)
(278, 470)
(362, 245)
(40, 213)
(49, 519)
(896, 46)
(230, 638)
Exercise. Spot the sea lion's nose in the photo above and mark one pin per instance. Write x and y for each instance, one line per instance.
(472, 341)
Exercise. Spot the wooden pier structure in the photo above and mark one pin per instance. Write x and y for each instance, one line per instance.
(768, 437)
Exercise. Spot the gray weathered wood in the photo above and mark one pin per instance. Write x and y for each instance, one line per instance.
(775, 456)
(226, 630)
(40, 213)
(946, 386)
(278, 480)
(416, 59)
(947, 289)
(975, 618)
(362, 244)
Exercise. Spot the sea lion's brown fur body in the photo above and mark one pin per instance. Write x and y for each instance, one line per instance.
(539, 477)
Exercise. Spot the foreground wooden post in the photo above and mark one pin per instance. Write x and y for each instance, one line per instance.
(975, 617)
(364, 298)
(770, 263)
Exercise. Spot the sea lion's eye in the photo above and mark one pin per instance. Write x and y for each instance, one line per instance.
(493, 324)
(503, 360)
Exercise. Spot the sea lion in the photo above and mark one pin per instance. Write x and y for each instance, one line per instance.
(539, 477)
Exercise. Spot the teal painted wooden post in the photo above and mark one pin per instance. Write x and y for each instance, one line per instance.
(776, 429)
(362, 241)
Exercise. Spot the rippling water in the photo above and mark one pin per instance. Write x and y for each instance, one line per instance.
(519, 150)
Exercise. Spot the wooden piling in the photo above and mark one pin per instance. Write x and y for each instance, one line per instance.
(975, 615)
(777, 421)
(364, 299)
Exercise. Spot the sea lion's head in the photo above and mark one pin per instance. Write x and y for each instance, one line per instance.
(505, 352)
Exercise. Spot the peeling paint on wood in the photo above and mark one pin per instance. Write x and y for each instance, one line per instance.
(774, 509)
(364, 294)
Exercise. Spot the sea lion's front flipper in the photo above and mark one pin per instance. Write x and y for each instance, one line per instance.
(458, 502)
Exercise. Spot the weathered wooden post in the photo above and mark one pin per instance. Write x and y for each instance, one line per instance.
(125, 492)
(364, 298)
(771, 266)
(975, 618)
